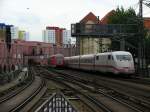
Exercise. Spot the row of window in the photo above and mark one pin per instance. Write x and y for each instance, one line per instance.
(109, 57)
(74, 61)
(86, 61)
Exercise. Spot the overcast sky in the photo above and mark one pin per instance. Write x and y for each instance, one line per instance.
(35, 15)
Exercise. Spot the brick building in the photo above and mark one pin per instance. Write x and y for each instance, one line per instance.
(147, 23)
(21, 52)
(59, 37)
(91, 44)
(53, 35)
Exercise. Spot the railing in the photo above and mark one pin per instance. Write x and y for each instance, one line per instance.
(56, 103)
(79, 29)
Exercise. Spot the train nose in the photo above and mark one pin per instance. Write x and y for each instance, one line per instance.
(129, 69)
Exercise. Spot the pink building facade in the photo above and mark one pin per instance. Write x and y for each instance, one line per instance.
(21, 52)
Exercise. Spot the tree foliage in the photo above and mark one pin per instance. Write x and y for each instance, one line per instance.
(122, 16)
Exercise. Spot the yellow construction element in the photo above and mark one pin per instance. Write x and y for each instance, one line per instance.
(2, 34)
(21, 35)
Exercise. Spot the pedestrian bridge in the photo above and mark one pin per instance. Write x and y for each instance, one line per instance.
(101, 30)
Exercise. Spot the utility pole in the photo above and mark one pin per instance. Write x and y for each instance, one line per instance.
(122, 44)
(141, 50)
(141, 8)
(99, 39)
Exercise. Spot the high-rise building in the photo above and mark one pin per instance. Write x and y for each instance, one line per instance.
(27, 35)
(53, 35)
(2, 31)
(58, 36)
(23, 35)
(48, 36)
(14, 32)
(66, 36)
(19, 34)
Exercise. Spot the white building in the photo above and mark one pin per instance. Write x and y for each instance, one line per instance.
(14, 32)
(19, 34)
(48, 36)
(67, 38)
(26, 36)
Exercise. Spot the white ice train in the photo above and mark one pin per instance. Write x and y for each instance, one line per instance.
(113, 62)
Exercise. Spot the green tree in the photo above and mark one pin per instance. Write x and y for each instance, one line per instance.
(129, 16)
(122, 16)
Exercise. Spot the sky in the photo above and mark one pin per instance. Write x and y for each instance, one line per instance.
(35, 15)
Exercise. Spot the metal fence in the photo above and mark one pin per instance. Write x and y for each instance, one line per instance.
(56, 103)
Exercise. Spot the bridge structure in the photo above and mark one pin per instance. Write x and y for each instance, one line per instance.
(118, 32)
(104, 31)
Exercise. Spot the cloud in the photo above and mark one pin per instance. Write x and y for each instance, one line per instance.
(35, 15)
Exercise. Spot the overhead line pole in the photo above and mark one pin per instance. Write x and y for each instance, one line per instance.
(141, 8)
(140, 38)
(141, 50)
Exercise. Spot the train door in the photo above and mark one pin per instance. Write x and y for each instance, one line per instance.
(98, 65)
(79, 61)
(94, 62)
(110, 63)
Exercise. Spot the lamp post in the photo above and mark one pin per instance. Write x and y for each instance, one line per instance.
(69, 43)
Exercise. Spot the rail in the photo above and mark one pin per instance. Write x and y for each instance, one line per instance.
(20, 106)
(11, 92)
(140, 101)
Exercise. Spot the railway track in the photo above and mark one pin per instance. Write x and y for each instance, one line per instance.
(136, 103)
(82, 85)
(18, 99)
(99, 106)
(16, 89)
(140, 84)
(27, 100)
(137, 80)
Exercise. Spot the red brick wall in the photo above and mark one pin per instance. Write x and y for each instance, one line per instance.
(147, 23)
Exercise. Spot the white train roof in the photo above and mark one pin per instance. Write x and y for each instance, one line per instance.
(115, 53)
(88, 55)
(105, 53)
(57, 55)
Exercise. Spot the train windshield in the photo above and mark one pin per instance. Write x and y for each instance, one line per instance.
(124, 57)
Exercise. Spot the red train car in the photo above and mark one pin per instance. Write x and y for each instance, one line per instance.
(56, 60)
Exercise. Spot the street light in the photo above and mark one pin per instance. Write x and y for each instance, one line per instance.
(69, 43)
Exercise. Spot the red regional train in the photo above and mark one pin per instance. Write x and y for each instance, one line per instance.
(56, 60)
